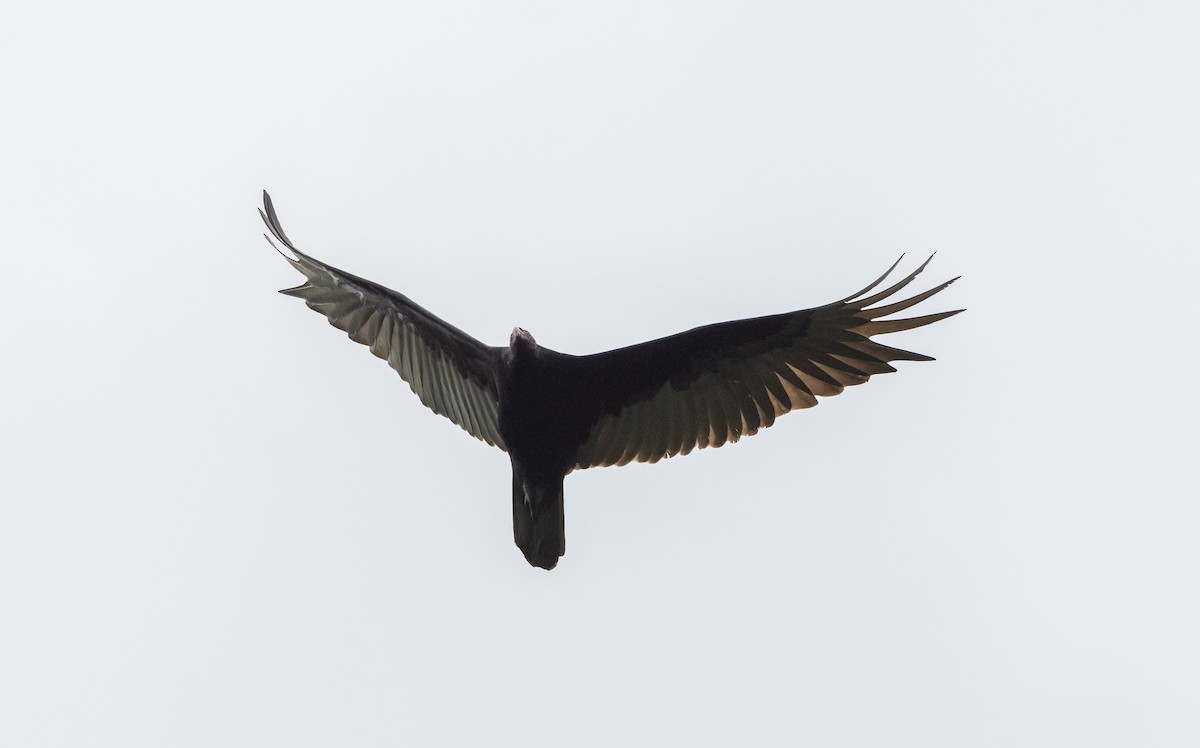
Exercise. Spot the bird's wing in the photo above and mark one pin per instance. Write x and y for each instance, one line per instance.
(452, 372)
(716, 384)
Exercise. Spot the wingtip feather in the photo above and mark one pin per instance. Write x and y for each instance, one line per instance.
(271, 218)
(876, 282)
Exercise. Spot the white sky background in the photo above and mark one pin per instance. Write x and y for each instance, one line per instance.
(224, 524)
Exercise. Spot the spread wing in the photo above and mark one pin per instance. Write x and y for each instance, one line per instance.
(716, 384)
(452, 372)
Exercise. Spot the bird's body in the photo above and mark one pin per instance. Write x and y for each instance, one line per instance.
(554, 412)
(532, 387)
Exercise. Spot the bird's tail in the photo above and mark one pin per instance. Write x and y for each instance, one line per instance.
(539, 526)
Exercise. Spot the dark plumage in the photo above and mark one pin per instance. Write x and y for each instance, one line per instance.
(554, 413)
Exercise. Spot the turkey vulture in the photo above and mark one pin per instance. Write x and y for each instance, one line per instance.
(554, 412)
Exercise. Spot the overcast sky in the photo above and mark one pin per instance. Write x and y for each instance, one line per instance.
(223, 524)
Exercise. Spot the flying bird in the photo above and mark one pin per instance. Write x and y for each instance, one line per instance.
(554, 412)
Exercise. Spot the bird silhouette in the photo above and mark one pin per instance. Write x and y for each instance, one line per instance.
(554, 412)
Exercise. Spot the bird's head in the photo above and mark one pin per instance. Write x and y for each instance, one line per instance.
(521, 341)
